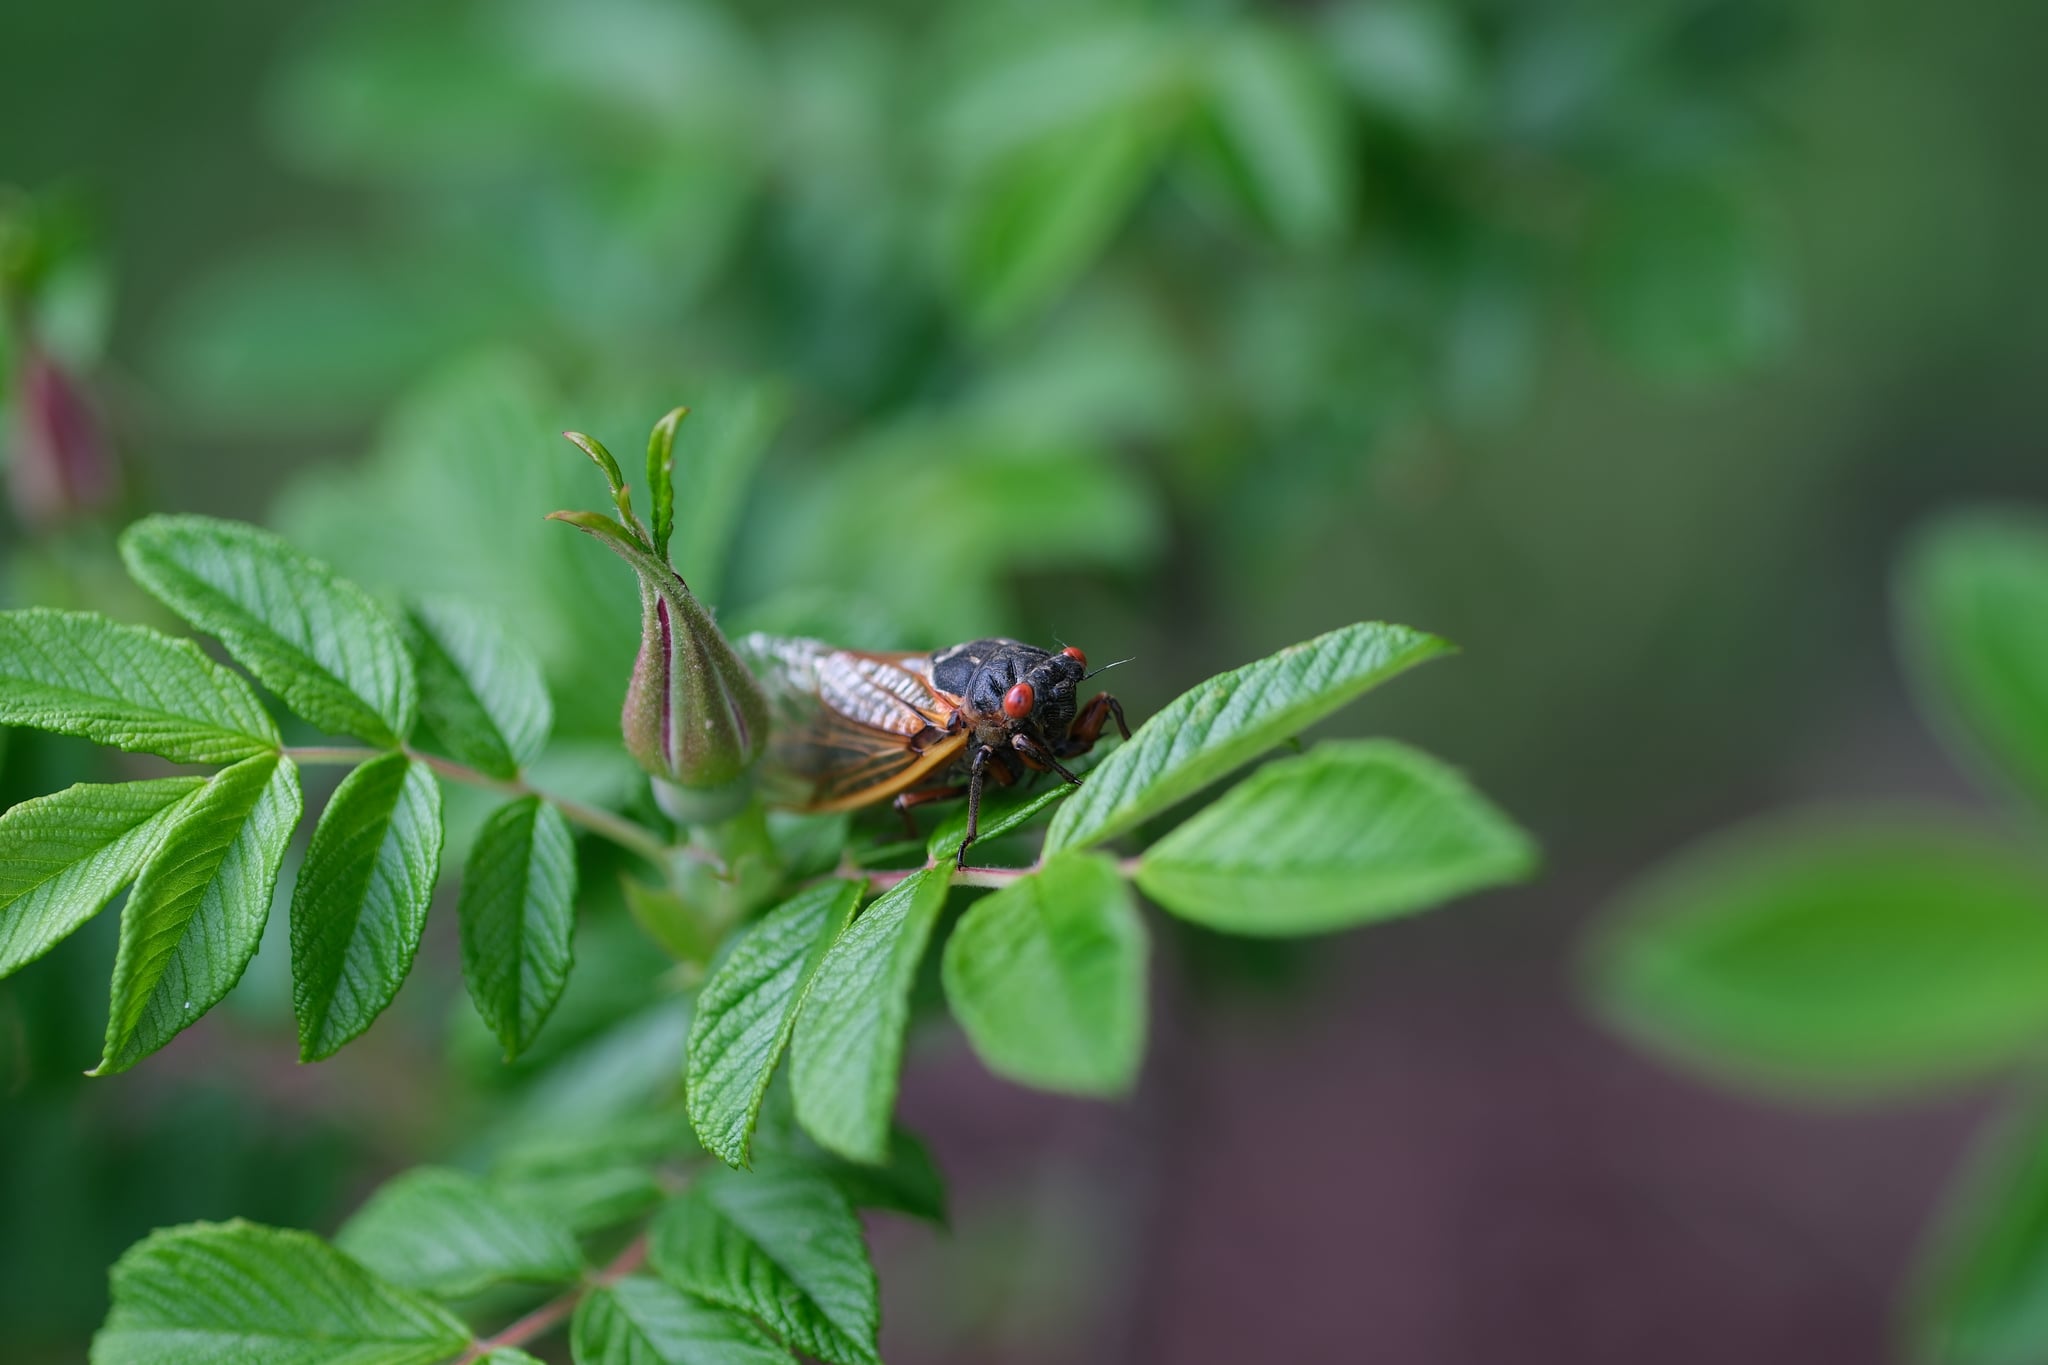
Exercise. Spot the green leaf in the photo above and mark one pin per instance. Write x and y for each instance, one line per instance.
(909, 1182)
(1037, 219)
(1283, 133)
(641, 1321)
(518, 911)
(80, 674)
(782, 1244)
(315, 639)
(1983, 1294)
(1345, 834)
(361, 902)
(1047, 976)
(847, 1052)
(1973, 598)
(508, 1355)
(1862, 953)
(238, 1293)
(446, 1233)
(197, 913)
(1230, 720)
(998, 818)
(661, 478)
(64, 856)
(480, 690)
(748, 1008)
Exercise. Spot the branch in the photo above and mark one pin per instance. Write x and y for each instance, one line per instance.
(616, 828)
(550, 1315)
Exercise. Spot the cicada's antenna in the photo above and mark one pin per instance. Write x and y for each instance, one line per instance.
(1106, 667)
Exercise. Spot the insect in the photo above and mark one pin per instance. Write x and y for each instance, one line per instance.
(853, 729)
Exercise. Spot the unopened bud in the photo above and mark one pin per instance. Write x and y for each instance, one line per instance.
(694, 718)
(59, 465)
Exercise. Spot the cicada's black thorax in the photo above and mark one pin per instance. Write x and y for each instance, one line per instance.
(1007, 686)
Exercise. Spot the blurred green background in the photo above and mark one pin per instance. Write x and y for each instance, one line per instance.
(1618, 342)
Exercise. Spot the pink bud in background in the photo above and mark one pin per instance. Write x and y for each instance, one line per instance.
(59, 465)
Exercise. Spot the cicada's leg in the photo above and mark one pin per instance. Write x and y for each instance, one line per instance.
(974, 776)
(1040, 753)
(1087, 727)
(906, 802)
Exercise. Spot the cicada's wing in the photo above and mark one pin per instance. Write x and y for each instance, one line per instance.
(850, 729)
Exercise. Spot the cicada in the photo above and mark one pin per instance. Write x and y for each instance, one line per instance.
(853, 729)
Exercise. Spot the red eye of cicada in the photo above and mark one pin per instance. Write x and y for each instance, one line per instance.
(1017, 701)
(1073, 652)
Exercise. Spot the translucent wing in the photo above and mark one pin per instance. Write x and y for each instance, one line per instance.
(850, 729)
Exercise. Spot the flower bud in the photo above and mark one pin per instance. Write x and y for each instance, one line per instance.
(695, 718)
(59, 465)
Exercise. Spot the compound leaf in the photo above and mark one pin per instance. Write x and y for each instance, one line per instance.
(361, 901)
(65, 855)
(480, 691)
(446, 1233)
(783, 1244)
(1228, 721)
(312, 637)
(237, 1293)
(197, 913)
(642, 1321)
(81, 674)
(1047, 976)
(846, 1055)
(1347, 833)
(749, 1007)
(518, 911)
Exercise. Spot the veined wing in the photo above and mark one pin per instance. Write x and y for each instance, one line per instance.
(850, 728)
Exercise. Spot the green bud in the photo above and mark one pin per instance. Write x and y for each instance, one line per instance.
(695, 717)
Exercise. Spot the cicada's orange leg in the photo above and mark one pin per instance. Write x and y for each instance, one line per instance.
(906, 802)
(1087, 727)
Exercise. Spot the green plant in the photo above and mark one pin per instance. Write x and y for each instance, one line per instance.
(1864, 953)
(792, 936)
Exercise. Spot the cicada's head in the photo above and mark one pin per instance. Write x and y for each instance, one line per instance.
(1043, 699)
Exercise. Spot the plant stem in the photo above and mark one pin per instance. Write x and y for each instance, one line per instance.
(549, 1315)
(966, 876)
(619, 830)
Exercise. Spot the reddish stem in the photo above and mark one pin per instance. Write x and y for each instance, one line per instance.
(550, 1315)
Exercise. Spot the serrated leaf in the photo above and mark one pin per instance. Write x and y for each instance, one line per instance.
(361, 901)
(1983, 1293)
(661, 479)
(586, 1198)
(1230, 720)
(65, 855)
(641, 1321)
(238, 1293)
(480, 691)
(1973, 598)
(1861, 953)
(1345, 834)
(518, 913)
(997, 819)
(846, 1055)
(1047, 977)
(312, 637)
(197, 913)
(747, 1010)
(77, 673)
(782, 1244)
(909, 1182)
(446, 1233)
